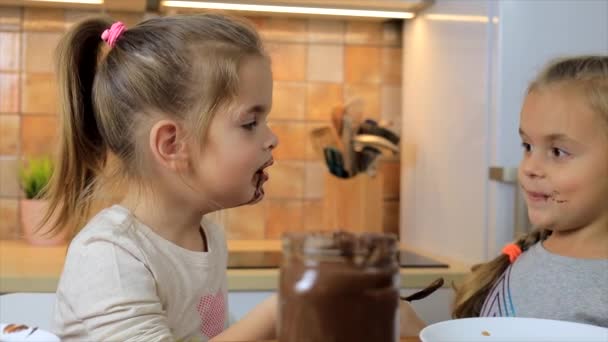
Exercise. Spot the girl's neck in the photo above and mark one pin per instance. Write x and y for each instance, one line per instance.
(587, 242)
(168, 217)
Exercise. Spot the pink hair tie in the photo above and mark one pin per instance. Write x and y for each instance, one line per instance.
(111, 35)
(513, 251)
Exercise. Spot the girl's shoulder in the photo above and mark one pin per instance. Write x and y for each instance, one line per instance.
(111, 226)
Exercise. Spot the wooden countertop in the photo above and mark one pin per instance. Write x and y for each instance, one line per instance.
(27, 268)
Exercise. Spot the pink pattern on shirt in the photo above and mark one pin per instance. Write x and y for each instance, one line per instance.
(212, 309)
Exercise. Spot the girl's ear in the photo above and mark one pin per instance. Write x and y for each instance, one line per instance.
(168, 146)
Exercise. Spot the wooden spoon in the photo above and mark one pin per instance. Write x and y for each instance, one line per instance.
(432, 287)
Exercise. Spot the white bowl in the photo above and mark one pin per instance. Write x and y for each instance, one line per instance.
(513, 329)
(27, 335)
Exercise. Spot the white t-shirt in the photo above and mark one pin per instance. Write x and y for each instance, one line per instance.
(123, 282)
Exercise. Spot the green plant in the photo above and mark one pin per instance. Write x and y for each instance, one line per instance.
(35, 176)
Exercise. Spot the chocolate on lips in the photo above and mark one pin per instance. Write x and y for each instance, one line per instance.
(339, 287)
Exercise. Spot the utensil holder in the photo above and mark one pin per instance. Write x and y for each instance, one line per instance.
(354, 204)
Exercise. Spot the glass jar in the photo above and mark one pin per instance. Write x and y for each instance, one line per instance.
(339, 287)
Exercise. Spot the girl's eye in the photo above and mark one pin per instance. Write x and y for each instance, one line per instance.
(250, 126)
(559, 153)
(527, 147)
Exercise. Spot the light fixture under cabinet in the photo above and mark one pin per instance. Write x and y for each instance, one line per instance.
(86, 2)
(328, 8)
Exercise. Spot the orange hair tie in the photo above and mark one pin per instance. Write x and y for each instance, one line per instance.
(512, 250)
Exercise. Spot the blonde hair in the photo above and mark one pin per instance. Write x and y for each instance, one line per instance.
(182, 67)
(591, 74)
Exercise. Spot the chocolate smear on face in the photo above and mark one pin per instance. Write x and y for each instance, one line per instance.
(554, 197)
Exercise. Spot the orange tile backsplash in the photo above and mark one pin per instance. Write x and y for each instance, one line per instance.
(9, 182)
(10, 18)
(317, 64)
(9, 225)
(288, 101)
(288, 61)
(312, 215)
(38, 49)
(325, 63)
(362, 64)
(291, 137)
(364, 32)
(326, 31)
(38, 135)
(44, 19)
(10, 43)
(322, 96)
(9, 134)
(391, 105)
(9, 93)
(391, 65)
(38, 93)
(283, 216)
(283, 30)
(286, 180)
(369, 93)
(391, 217)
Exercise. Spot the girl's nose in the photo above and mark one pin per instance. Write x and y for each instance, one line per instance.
(532, 166)
(272, 142)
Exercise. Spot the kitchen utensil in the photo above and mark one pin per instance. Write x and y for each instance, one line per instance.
(371, 127)
(363, 140)
(335, 162)
(336, 118)
(323, 137)
(366, 160)
(355, 203)
(347, 136)
(432, 287)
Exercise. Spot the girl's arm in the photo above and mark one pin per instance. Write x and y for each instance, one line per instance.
(258, 324)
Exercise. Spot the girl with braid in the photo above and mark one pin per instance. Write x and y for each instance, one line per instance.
(559, 270)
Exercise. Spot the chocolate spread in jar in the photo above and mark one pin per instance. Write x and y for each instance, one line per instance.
(339, 287)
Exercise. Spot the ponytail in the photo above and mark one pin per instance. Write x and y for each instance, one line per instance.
(471, 295)
(82, 150)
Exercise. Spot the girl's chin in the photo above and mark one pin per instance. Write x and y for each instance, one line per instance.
(258, 195)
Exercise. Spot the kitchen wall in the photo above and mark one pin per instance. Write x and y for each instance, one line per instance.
(317, 64)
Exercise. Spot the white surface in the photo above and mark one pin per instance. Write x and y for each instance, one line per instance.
(512, 329)
(31, 309)
(463, 86)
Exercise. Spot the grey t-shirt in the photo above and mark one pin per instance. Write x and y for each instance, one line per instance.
(541, 284)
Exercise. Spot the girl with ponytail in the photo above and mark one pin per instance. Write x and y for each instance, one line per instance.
(175, 110)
